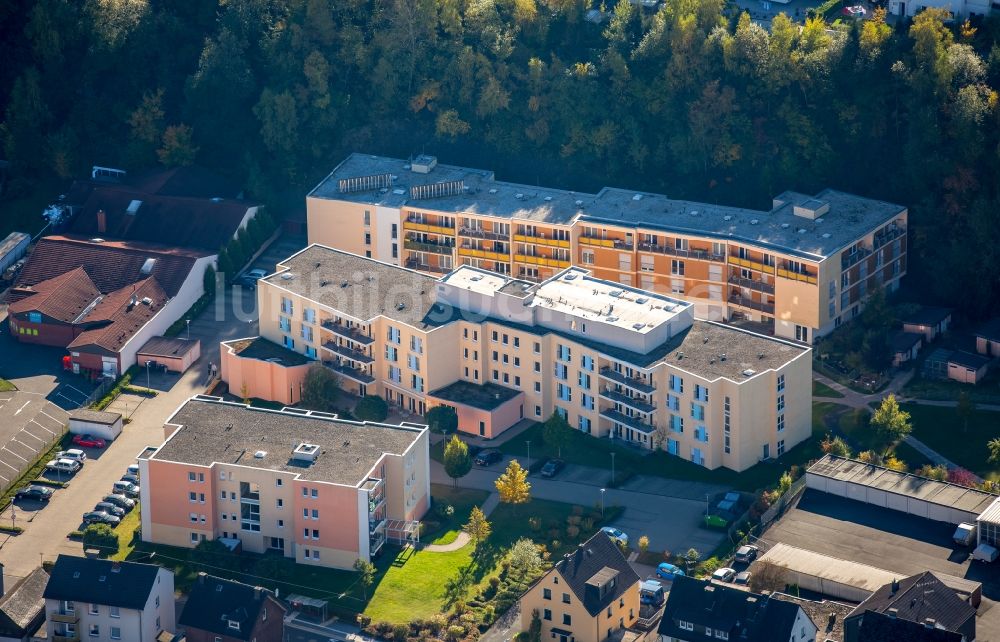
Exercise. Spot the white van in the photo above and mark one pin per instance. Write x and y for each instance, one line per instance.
(965, 534)
(985, 553)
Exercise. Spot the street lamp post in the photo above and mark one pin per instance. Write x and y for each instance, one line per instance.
(602, 503)
(613, 467)
(529, 453)
(188, 321)
(147, 372)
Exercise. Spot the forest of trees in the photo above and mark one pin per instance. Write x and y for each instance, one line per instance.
(692, 100)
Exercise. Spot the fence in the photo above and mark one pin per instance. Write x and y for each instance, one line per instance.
(777, 509)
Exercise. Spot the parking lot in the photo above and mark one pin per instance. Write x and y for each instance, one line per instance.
(29, 424)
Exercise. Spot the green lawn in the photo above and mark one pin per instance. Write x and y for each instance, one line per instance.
(6, 386)
(941, 429)
(441, 529)
(986, 391)
(126, 534)
(820, 389)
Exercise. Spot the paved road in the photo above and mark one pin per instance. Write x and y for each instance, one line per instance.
(671, 522)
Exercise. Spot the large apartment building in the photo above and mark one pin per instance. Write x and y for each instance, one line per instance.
(309, 486)
(615, 361)
(801, 268)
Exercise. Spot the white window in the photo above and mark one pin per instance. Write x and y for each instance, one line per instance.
(114, 612)
(116, 633)
(314, 493)
(95, 609)
(95, 631)
(192, 477)
(646, 264)
(278, 482)
(587, 257)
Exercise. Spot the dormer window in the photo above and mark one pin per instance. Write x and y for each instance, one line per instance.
(234, 625)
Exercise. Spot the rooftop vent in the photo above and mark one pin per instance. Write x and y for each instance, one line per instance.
(423, 164)
(641, 300)
(477, 277)
(819, 220)
(519, 196)
(825, 235)
(611, 319)
(802, 230)
(749, 372)
(615, 293)
(722, 357)
(754, 221)
(97, 239)
(287, 276)
(570, 276)
(694, 212)
(147, 266)
(399, 191)
(147, 301)
(547, 199)
(785, 226)
(436, 190)
(637, 197)
(493, 190)
(579, 203)
(344, 284)
(727, 217)
(400, 306)
(638, 326)
(260, 454)
(133, 207)
(305, 452)
(364, 183)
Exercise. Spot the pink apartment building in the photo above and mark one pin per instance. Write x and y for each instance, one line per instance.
(315, 488)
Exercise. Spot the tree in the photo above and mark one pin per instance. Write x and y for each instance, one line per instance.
(102, 537)
(534, 633)
(213, 554)
(320, 388)
(457, 461)
(965, 408)
(643, 543)
(835, 446)
(513, 485)
(371, 408)
(366, 575)
(245, 393)
(891, 423)
(556, 432)
(178, 147)
(767, 576)
(477, 527)
(993, 445)
(524, 559)
(963, 477)
(442, 419)
(691, 557)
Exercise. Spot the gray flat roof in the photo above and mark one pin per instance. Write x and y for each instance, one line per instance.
(485, 396)
(357, 286)
(849, 216)
(95, 416)
(213, 431)
(936, 492)
(169, 346)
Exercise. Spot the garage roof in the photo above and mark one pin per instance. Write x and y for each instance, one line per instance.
(95, 416)
(992, 513)
(892, 481)
(829, 568)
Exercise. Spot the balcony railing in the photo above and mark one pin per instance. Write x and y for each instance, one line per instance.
(66, 637)
(376, 525)
(541, 260)
(425, 267)
(634, 384)
(65, 618)
(753, 305)
(703, 255)
(490, 255)
(752, 284)
(479, 233)
(796, 276)
(425, 226)
(375, 543)
(888, 236)
(541, 240)
(633, 402)
(849, 260)
(618, 244)
(355, 374)
(351, 334)
(632, 422)
(347, 353)
(421, 246)
(751, 265)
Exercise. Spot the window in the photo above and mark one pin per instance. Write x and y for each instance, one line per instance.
(315, 513)
(233, 625)
(781, 447)
(281, 523)
(547, 614)
(587, 257)
(538, 386)
(194, 538)
(781, 403)
(565, 598)
(685, 626)
(546, 594)
(192, 477)
(315, 534)
(493, 337)
(95, 609)
(95, 630)
(309, 315)
(157, 601)
(280, 503)
(537, 348)
(567, 619)
(701, 393)
(193, 517)
(781, 383)
(677, 267)
(538, 411)
(114, 612)
(676, 383)
(192, 497)
(697, 411)
(288, 342)
(286, 306)
(116, 633)
(278, 482)
(781, 422)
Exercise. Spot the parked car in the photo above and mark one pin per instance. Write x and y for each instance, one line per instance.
(746, 554)
(110, 509)
(724, 574)
(133, 470)
(488, 457)
(125, 488)
(250, 278)
(668, 571)
(742, 578)
(618, 536)
(36, 493)
(552, 467)
(651, 592)
(73, 453)
(63, 466)
(121, 501)
(131, 478)
(89, 441)
(100, 517)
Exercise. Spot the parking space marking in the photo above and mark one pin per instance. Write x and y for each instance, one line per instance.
(15, 440)
(5, 480)
(42, 412)
(8, 465)
(14, 453)
(26, 404)
(41, 426)
(33, 436)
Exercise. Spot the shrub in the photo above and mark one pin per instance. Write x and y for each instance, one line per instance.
(445, 510)
(455, 632)
(400, 632)
(100, 536)
(587, 524)
(572, 531)
(371, 408)
(535, 524)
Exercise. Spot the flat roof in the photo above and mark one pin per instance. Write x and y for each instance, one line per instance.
(357, 286)
(12, 241)
(829, 568)
(485, 396)
(992, 513)
(95, 416)
(216, 431)
(171, 347)
(968, 359)
(929, 490)
(265, 350)
(849, 216)
(481, 281)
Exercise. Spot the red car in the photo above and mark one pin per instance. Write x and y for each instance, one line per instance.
(89, 441)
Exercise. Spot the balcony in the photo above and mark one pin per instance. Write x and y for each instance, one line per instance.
(634, 384)
(413, 225)
(66, 637)
(752, 284)
(347, 353)
(423, 246)
(632, 402)
(375, 543)
(413, 264)
(479, 233)
(796, 276)
(376, 525)
(701, 255)
(354, 374)
(351, 334)
(489, 255)
(750, 303)
(751, 265)
(541, 260)
(888, 236)
(850, 259)
(632, 422)
(64, 618)
(541, 240)
(617, 244)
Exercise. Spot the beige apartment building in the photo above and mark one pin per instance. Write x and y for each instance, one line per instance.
(801, 268)
(617, 362)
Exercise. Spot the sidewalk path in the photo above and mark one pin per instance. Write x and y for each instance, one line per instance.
(935, 457)
(463, 538)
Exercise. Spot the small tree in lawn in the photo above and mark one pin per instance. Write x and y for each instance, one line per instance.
(442, 419)
(513, 485)
(477, 527)
(890, 422)
(691, 557)
(366, 575)
(457, 461)
(993, 445)
(965, 408)
(556, 432)
(371, 408)
(320, 388)
(643, 544)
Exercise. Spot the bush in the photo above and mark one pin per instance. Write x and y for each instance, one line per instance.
(100, 536)
(400, 632)
(372, 408)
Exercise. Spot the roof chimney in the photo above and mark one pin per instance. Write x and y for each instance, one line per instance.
(257, 590)
(201, 577)
(102, 222)
(894, 587)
